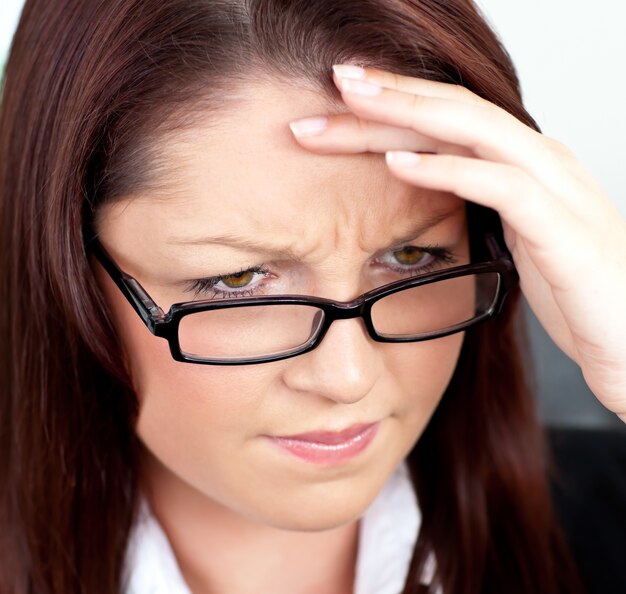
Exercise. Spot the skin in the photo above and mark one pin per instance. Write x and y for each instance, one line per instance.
(264, 186)
(226, 497)
(567, 239)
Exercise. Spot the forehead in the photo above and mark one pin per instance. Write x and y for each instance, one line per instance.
(244, 173)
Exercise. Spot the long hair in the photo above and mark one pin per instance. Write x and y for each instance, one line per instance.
(90, 86)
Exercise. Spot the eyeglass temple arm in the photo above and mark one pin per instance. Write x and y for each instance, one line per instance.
(495, 248)
(500, 252)
(144, 305)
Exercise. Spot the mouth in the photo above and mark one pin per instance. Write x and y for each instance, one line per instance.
(328, 447)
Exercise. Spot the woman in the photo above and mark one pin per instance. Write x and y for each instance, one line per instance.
(146, 160)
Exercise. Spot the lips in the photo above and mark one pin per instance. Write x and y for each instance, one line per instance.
(328, 448)
(330, 437)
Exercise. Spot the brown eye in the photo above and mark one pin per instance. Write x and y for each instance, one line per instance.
(241, 279)
(409, 255)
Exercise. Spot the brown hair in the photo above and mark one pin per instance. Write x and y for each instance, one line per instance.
(89, 88)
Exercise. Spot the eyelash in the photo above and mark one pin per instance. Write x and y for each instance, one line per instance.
(204, 285)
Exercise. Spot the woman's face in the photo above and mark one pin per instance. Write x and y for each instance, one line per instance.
(243, 178)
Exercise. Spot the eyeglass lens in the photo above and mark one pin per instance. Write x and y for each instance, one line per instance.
(263, 330)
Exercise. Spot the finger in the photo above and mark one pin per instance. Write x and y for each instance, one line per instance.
(523, 203)
(444, 118)
(487, 130)
(560, 243)
(347, 133)
(429, 88)
(407, 84)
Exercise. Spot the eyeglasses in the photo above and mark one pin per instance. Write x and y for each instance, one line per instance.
(244, 331)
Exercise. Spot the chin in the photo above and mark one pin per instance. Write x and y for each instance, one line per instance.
(316, 521)
(314, 511)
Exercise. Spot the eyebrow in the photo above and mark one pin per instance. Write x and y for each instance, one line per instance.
(250, 244)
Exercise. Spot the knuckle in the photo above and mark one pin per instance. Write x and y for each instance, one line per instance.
(555, 147)
(452, 167)
(364, 128)
(416, 105)
(361, 126)
(462, 90)
(518, 183)
(468, 95)
(416, 101)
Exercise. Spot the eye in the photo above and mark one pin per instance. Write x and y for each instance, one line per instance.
(238, 280)
(410, 255)
(415, 260)
(227, 285)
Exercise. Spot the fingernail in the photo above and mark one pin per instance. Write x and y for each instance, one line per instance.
(360, 88)
(349, 71)
(308, 126)
(402, 158)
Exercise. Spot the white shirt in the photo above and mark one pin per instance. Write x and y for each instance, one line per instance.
(387, 534)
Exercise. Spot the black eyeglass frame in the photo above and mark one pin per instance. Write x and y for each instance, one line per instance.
(165, 325)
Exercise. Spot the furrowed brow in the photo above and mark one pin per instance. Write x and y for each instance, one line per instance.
(252, 245)
(239, 242)
(415, 232)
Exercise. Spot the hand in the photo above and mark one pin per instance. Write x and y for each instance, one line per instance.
(567, 239)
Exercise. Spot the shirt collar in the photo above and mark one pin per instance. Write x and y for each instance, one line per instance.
(387, 534)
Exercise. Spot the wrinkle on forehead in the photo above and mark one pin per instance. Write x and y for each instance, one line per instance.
(248, 176)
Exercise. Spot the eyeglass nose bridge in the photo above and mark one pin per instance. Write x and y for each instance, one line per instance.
(359, 308)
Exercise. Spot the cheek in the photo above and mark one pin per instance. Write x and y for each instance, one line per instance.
(198, 420)
(188, 414)
(421, 372)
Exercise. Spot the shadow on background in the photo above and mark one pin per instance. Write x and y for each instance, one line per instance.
(564, 398)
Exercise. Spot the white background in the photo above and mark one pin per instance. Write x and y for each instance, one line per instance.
(570, 59)
(570, 56)
(9, 14)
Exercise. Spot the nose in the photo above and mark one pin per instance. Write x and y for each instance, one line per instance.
(344, 367)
